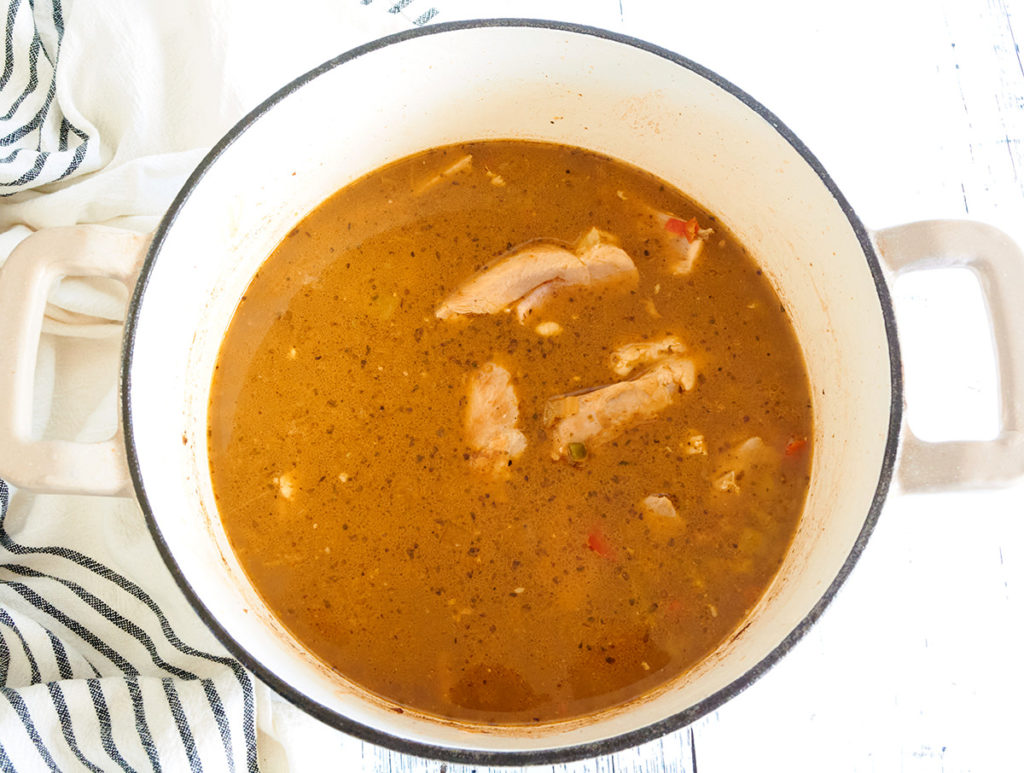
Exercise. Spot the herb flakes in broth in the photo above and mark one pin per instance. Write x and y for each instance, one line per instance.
(510, 432)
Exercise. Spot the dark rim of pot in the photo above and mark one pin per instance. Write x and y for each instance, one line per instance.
(558, 754)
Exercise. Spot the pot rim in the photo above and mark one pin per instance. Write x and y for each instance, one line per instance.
(533, 756)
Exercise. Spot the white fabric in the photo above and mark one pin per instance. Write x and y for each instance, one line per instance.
(150, 85)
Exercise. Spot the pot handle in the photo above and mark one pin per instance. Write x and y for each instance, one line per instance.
(26, 278)
(998, 263)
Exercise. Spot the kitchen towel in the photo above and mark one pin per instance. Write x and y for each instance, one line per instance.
(105, 107)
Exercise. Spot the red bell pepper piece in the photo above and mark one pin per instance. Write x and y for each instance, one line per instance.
(795, 446)
(687, 229)
(597, 542)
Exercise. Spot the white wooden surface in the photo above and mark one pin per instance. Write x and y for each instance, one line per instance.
(917, 110)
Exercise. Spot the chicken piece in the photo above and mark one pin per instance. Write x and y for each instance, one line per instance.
(726, 481)
(512, 278)
(684, 265)
(548, 329)
(604, 264)
(751, 463)
(596, 416)
(696, 444)
(684, 239)
(285, 483)
(659, 504)
(626, 357)
(491, 417)
(533, 273)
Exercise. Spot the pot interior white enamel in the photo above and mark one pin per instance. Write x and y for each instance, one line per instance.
(545, 82)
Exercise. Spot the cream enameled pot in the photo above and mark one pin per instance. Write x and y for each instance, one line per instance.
(500, 79)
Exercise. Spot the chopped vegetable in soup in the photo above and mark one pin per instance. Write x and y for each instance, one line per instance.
(510, 432)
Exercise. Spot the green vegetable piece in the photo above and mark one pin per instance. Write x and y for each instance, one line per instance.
(577, 451)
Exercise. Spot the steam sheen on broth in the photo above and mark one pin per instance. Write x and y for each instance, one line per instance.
(510, 432)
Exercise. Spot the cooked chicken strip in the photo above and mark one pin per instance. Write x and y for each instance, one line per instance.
(534, 272)
(599, 415)
(491, 416)
(604, 264)
(626, 357)
(511, 278)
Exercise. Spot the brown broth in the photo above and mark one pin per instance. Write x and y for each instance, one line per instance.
(338, 457)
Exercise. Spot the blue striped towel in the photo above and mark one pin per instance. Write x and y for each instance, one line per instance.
(95, 675)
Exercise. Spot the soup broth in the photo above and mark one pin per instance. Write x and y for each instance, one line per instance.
(510, 432)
